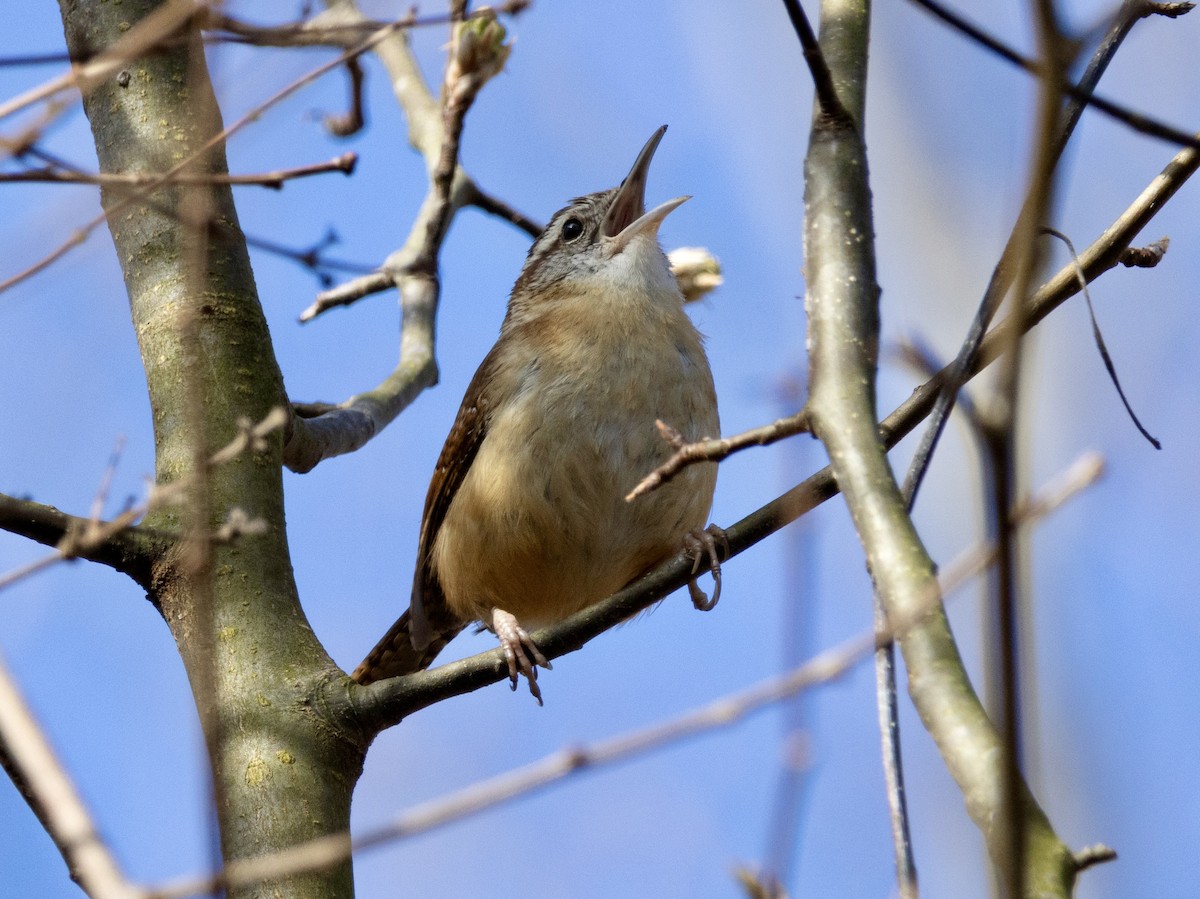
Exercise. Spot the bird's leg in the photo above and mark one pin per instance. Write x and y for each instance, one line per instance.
(520, 651)
(710, 543)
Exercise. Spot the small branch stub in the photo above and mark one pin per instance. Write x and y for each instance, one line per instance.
(1145, 257)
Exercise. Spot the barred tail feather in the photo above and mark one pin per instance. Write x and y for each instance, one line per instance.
(395, 655)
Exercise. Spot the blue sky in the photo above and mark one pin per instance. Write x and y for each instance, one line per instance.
(1112, 576)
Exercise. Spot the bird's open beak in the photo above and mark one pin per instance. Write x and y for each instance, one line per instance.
(626, 217)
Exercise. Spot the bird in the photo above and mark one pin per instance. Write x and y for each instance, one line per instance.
(526, 521)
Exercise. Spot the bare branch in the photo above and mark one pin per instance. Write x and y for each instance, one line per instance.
(1131, 11)
(218, 139)
(274, 180)
(118, 543)
(477, 54)
(843, 345)
(348, 293)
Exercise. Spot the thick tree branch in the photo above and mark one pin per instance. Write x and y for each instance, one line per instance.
(116, 544)
(842, 304)
(249, 652)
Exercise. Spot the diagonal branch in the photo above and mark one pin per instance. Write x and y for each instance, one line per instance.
(28, 758)
(1127, 16)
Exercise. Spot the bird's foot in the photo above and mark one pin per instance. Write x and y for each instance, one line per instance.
(520, 651)
(709, 543)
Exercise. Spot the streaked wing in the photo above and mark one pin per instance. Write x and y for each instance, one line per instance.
(430, 616)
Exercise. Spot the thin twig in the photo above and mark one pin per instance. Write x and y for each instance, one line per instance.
(1152, 256)
(274, 180)
(100, 500)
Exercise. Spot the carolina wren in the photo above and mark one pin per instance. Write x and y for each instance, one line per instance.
(525, 521)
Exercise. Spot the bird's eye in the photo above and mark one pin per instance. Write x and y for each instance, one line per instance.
(571, 229)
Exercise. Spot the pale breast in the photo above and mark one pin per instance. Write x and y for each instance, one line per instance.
(540, 527)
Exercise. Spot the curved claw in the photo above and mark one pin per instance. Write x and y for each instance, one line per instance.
(520, 652)
(711, 543)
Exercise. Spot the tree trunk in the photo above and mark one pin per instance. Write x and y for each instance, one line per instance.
(283, 772)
